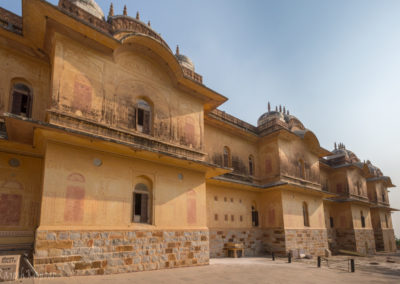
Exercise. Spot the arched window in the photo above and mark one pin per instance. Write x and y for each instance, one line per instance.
(362, 219)
(21, 100)
(386, 221)
(143, 117)
(142, 204)
(254, 216)
(383, 196)
(227, 157)
(301, 169)
(251, 165)
(305, 215)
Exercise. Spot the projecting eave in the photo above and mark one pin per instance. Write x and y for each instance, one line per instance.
(34, 133)
(350, 200)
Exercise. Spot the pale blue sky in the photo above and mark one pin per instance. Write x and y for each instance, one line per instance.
(334, 64)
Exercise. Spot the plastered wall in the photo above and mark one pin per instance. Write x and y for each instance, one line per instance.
(20, 188)
(271, 209)
(230, 208)
(77, 193)
(357, 183)
(19, 65)
(291, 152)
(293, 210)
(356, 213)
(341, 214)
(241, 148)
(269, 160)
(104, 88)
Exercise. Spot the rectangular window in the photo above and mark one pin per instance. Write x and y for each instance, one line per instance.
(331, 222)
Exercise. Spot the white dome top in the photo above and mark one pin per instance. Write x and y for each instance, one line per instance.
(89, 6)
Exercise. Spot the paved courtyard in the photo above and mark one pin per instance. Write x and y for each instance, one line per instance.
(375, 269)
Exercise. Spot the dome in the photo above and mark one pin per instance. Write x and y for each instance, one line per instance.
(270, 116)
(89, 6)
(349, 155)
(184, 60)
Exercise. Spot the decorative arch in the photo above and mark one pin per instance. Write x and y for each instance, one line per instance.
(76, 177)
(21, 97)
(227, 159)
(142, 205)
(155, 47)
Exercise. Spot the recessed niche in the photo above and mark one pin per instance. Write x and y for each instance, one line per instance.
(97, 162)
(13, 162)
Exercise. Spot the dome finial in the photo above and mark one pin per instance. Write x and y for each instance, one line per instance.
(280, 108)
(284, 110)
(125, 11)
(269, 107)
(149, 24)
(288, 112)
(111, 12)
(137, 15)
(276, 108)
(335, 146)
(177, 50)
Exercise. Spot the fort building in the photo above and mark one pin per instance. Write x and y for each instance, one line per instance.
(115, 158)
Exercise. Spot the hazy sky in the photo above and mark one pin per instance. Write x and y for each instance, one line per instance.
(334, 64)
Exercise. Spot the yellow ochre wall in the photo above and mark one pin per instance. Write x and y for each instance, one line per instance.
(241, 148)
(271, 209)
(103, 87)
(19, 65)
(293, 150)
(231, 202)
(354, 176)
(269, 160)
(106, 191)
(293, 210)
(356, 214)
(20, 194)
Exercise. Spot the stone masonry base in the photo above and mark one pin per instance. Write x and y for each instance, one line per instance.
(365, 241)
(68, 253)
(259, 241)
(310, 241)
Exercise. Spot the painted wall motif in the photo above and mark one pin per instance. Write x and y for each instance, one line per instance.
(107, 88)
(19, 195)
(102, 196)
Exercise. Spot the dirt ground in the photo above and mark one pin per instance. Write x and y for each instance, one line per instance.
(374, 269)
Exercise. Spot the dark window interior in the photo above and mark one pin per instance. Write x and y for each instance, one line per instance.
(254, 216)
(140, 117)
(331, 222)
(21, 100)
(138, 204)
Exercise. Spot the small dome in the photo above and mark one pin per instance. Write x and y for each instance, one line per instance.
(349, 155)
(269, 116)
(184, 60)
(375, 171)
(89, 6)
